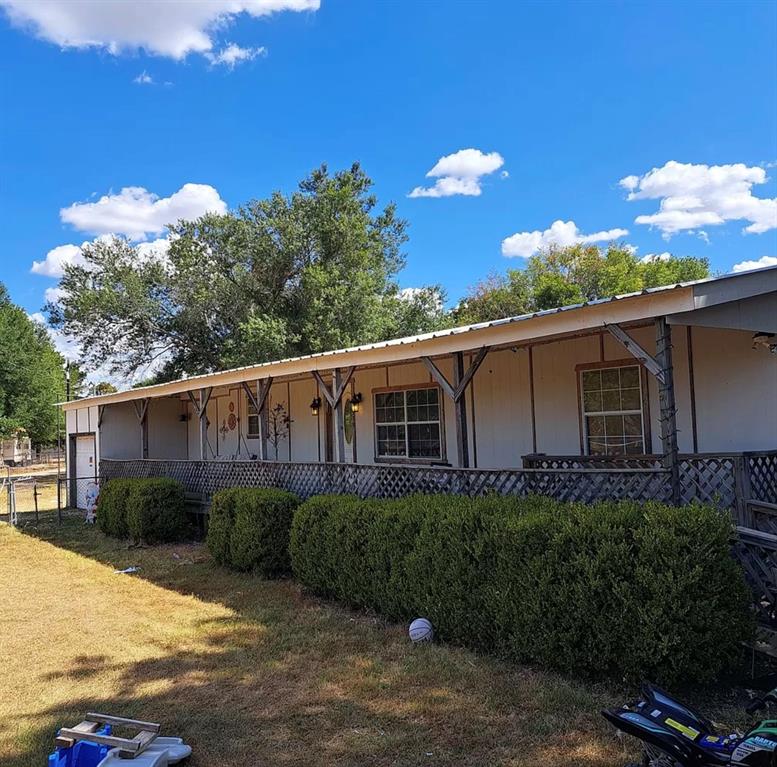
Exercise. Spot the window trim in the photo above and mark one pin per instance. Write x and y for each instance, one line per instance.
(644, 392)
(249, 434)
(443, 458)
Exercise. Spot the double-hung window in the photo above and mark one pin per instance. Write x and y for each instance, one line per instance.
(408, 424)
(253, 422)
(613, 411)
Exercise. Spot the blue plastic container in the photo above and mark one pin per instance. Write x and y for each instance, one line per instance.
(83, 754)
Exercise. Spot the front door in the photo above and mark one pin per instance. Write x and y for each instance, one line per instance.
(84, 467)
(228, 433)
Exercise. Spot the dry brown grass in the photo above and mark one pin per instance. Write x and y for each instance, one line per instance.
(255, 672)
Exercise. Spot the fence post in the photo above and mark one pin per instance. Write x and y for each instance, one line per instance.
(12, 504)
(742, 490)
(668, 407)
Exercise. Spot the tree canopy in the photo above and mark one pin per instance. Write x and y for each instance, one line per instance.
(287, 275)
(302, 273)
(31, 375)
(560, 276)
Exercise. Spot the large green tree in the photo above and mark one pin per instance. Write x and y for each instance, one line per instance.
(31, 375)
(560, 276)
(287, 275)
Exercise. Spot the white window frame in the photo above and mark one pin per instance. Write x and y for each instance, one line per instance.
(584, 415)
(440, 421)
(249, 415)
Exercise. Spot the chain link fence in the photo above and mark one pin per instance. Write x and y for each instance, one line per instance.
(25, 498)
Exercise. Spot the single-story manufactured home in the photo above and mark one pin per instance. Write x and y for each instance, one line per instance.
(668, 393)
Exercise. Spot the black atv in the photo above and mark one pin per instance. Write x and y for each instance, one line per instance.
(673, 735)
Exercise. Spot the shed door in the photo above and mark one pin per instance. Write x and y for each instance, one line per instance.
(85, 468)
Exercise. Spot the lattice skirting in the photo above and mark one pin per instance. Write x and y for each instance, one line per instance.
(727, 480)
(762, 470)
(389, 481)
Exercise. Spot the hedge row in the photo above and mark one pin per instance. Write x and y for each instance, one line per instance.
(248, 529)
(149, 510)
(620, 589)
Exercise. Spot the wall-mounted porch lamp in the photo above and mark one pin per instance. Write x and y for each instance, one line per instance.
(356, 402)
(315, 406)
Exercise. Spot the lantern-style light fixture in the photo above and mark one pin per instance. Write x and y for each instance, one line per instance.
(315, 406)
(356, 402)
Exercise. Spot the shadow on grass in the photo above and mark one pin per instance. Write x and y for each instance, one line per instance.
(286, 680)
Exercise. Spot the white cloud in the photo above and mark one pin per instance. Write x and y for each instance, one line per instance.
(761, 263)
(434, 303)
(135, 212)
(37, 317)
(233, 54)
(53, 295)
(560, 233)
(65, 345)
(56, 260)
(154, 250)
(651, 257)
(68, 347)
(64, 255)
(694, 196)
(172, 29)
(144, 78)
(460, 173)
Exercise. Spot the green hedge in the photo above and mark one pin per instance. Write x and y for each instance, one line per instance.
(623, 589)
(149, 510)
(112, 507)
(248, 529)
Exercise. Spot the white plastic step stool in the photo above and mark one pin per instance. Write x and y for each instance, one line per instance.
(161, 753)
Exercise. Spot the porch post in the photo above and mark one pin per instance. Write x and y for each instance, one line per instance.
(339, 419)
(335, 400)
(141, 410)
(460, 410)
(461, 380)
(144, 435)
(668, 407)
(203, 423)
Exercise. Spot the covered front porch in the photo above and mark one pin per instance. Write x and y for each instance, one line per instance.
(669, 394)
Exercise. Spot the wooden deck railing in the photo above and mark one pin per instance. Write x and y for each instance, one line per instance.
(728, 480)
(393, 481)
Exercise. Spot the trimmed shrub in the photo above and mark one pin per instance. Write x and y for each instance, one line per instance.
(617, 588)
(112, 507)
(221, 517)
(249, 529)
(150, 510)
(156, 510)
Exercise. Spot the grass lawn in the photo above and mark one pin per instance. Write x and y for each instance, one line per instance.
(255, 672)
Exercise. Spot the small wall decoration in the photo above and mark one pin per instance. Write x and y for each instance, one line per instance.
(232, 420)
(231, 407)
(278, 423)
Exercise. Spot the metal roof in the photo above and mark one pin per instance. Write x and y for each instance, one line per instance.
(145, 391)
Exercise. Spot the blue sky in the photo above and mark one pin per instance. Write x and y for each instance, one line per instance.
(561, 101)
